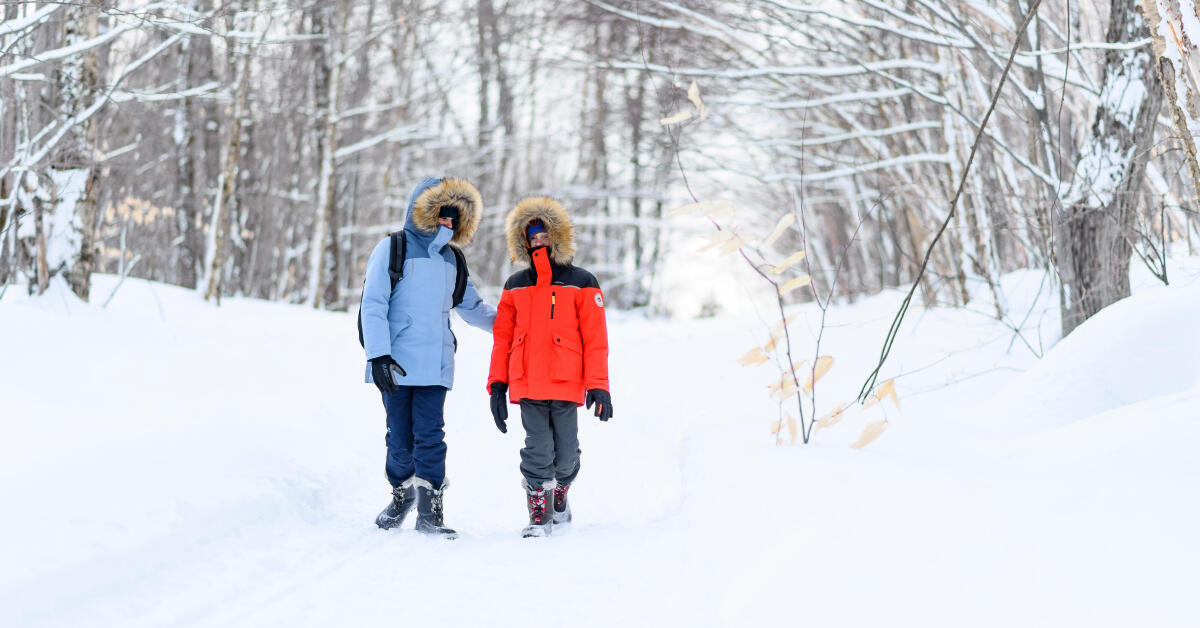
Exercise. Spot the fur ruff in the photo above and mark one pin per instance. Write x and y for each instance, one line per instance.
(421, 482)
(558, 225)
(548, 485)
(456, 192)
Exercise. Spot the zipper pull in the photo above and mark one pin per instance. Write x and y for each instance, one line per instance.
(551, 305)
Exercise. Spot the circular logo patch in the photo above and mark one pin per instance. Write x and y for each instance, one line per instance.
(599, 300)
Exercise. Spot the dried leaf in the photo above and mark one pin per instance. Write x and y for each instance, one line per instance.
(690, 208)
(798, 282)
(777, 332)
(791, 423)
(784, 388)
(717, 239)
(734, 243)
(795, 257)
(778, 329)
(832, 417)
(712, 209)
(884, 391)
(889, 390)
(721, 210)
(694, 96)
(753, 357)
(776, 426)
(824, 363)
(679, 117)
(869, 434)
(785, 392)
(784, 222)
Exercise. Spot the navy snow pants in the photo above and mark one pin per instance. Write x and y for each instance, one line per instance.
(415, 438)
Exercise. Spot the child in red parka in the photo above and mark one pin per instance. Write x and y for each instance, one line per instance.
(549, 353)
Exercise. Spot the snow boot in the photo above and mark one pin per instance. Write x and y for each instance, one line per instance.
(540, 504)
(403, 498)
(429, 510)
(562, 509)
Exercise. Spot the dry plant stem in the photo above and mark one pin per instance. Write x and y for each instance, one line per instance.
(822, 305)
(825, 306)
(837, 271)
(890, 339)
(804, 431)
(1019, 326)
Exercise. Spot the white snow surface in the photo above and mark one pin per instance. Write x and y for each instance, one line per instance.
(165, 462)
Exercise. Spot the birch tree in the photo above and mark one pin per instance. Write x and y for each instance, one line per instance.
(52, 161)
(239, 62)
(326, 83)
(1177, 63)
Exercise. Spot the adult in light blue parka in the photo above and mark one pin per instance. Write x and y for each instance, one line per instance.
(410, 345)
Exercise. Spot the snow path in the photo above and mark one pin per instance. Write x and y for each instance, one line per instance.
(222, 467)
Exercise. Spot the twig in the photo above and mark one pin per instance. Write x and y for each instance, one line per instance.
(890, 339)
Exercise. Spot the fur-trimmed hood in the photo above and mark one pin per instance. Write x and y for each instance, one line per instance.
(558, 225)
(433, 194)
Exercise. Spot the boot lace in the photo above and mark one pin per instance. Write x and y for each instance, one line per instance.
(560, 497)
(435, 506)
(537, 506)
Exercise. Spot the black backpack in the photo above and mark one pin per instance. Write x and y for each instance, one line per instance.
(399, 245)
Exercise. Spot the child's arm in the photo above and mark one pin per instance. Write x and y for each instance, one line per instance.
(594, 332)
(474, 310)
(502, 335)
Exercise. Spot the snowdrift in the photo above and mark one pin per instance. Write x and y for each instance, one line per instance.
(167, 462)
(1137, 349)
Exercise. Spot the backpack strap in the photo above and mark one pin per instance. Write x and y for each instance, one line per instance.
(460, 278)
(399, 245)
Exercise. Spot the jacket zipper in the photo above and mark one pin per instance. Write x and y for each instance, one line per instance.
(551, 305)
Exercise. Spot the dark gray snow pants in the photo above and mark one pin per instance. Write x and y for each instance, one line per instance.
(551, 442)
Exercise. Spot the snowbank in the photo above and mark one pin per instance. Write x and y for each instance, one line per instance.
(1137, 349)
(167, 462)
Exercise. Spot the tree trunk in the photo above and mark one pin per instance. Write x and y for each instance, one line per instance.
(325, 89)
(1093, 240)
(217, 248)
(187, 201)
(72, 165)
(482, 8)
(1179, 72)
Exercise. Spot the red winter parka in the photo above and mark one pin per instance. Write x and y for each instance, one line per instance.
(550, 341)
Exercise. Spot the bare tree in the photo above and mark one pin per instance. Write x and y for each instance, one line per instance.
(1096, 229)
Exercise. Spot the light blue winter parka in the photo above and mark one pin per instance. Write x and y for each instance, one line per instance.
(412, 322)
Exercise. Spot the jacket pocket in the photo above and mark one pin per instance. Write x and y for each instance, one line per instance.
(568, 358)
(398, 327)
(516, 359)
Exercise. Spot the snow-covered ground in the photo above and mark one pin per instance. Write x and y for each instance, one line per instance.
(164, 462)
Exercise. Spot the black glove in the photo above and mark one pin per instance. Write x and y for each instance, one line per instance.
(381, 371)
(603, 402)
(499, 405)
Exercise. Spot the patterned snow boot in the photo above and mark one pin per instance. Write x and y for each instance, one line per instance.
(429, 510)
(562, 509)
(403, 498)
(539, 502)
